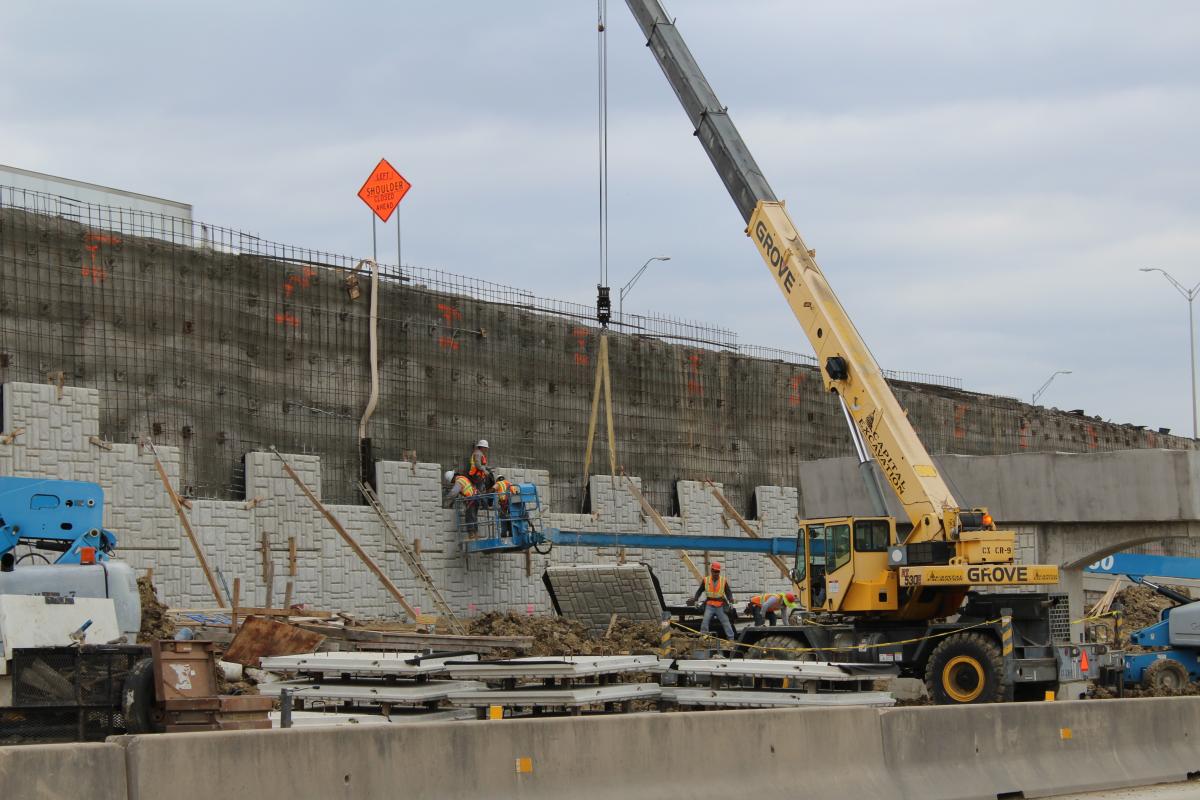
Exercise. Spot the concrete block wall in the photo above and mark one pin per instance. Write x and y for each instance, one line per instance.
(59, 441)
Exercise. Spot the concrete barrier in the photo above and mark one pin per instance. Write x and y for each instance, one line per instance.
(975, 753)
(1040, 749)
(811, 753)
(63, 772)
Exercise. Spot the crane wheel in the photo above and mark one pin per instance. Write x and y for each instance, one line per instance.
(786, 651)
(965, 668)
(137, 698)
(1165, 676)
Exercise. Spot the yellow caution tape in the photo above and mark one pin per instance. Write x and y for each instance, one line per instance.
(859, 647)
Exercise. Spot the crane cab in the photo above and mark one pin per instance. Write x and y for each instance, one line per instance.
(842, 564)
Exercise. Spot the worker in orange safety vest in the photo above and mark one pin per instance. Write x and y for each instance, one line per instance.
(504, 489)
(477, 467)
(718, 599)
(460, 489)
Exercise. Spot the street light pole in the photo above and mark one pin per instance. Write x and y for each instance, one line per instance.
(1190, 295)
(625, 289)
(1046, 385)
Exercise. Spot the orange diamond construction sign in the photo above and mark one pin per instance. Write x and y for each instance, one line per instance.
(384, 190)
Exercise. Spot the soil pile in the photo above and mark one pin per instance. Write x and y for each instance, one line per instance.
(1110, 693)
(155, 622)
(1141, 608)
(555, 636)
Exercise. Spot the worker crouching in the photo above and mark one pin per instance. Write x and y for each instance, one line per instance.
(766, 608)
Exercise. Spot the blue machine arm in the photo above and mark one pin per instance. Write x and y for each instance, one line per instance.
(56, 515)
(495, 524)
(650, 541)
(1143, 564)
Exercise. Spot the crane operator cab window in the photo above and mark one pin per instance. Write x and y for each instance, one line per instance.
(837, 547)
(871, 535)
(816, 536)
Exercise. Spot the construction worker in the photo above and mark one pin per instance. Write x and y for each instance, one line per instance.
(502, 489)
(459, 488)
(767, 606)
(718, 598)
(477, 467)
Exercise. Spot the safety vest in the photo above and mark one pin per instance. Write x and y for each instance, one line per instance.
(502, 490)
(478, 463)
(465, 487)
(714, 590)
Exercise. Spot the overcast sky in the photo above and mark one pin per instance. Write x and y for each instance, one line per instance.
(981, 180)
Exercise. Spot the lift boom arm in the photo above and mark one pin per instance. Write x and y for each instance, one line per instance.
(847, 366)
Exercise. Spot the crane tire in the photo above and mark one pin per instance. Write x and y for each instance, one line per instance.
(1165, 676)
(138, 698)
(784, 642)
(966, 669)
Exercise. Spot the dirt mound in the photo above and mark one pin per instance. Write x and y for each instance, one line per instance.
(1110, 693)
(1141, 607)
(155, 622)
(555, 636)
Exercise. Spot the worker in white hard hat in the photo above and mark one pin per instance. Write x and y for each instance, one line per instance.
(477, 468)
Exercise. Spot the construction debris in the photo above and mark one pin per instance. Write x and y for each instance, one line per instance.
(259, 637)
(555, 636)
(1141, 608)
(156, 624)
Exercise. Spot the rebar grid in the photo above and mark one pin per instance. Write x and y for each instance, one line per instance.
(219, 343)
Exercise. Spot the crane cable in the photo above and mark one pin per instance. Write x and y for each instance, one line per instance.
(602, 130)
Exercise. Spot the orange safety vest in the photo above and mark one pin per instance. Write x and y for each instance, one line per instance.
(465, 487)
(715, 591)
(478, 468)
(761, 599)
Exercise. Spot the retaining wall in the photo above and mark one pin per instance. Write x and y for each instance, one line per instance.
(1015, 750)
(225, 350)
(58, 438)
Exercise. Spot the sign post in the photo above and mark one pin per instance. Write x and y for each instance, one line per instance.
(382, 192)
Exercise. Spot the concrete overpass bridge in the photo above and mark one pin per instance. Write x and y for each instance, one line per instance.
(1068, 509)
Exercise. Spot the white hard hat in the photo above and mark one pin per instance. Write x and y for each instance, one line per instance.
(481, 443)
(449, 476)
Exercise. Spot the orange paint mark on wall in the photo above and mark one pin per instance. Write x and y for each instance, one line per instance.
(301, 281)
(1093, 440)
(1023, 435)
(581, 337)
(284, 318)
(90, 268)
(694, 386)
(795, 383)
(450, 314)
(960, 416)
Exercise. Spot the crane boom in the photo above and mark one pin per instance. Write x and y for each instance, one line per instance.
(847, 366)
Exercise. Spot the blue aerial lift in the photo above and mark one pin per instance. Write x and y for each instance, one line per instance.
(66, 517)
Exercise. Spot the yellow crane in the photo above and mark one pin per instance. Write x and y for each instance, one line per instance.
(891, 586)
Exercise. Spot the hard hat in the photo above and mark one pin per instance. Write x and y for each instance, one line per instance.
(449, 476)
(715, 566)
(791, 597)
(481, 443)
